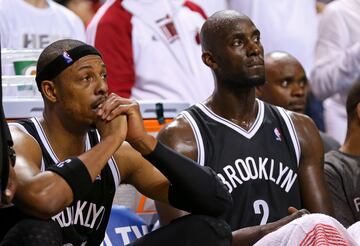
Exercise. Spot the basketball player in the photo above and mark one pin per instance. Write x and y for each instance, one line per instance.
(287, 86)
(68, 171)
(269, 158)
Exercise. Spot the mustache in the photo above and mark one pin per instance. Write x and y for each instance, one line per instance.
(254, 61)
(97, 102)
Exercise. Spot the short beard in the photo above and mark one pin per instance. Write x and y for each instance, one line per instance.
(246, 82)
(255, 81)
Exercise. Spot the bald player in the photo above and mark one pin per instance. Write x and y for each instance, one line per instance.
(287, 86)
(263, 154)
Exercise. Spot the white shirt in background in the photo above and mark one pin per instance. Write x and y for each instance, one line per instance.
(25, 26)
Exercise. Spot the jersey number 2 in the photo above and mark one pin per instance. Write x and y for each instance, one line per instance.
(262, 205)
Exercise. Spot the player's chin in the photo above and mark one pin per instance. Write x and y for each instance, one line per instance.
(297, 108)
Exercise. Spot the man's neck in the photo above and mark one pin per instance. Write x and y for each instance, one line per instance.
(64, 142)
(351, 144)
(238, 106)
(42, 4)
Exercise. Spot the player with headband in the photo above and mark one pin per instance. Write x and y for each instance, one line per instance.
(71, 160)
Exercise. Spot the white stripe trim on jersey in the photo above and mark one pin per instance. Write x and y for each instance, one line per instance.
(45, 140)
(198, 137)
(290, 125)
(246, 133)
(22, 128)
(113, 167)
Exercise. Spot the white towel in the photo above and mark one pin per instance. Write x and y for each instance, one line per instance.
(309, 230)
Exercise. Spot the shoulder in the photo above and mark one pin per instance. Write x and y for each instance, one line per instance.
(300, 122)
(307, 134)
(25, 144)
(179, 129)
(304, 125)
(110, 20)
(65, 12)
(195, 8)
(110, 12)
(179, 136)
(334, 164)
(335, 160)
(20, 134)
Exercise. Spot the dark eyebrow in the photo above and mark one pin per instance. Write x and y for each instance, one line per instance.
(242, 34)
(237, 35)
(256, 32)
(287, 78)
(304, 78)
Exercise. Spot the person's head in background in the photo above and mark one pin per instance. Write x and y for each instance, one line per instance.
(353, 116)
(286, 82)
(83, 8)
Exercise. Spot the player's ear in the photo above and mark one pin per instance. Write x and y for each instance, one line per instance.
(49, 90)
(208, 60)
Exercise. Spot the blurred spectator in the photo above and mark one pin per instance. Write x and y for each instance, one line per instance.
(287, 86)
(152, 49)
(35, 24)
(212, 6)
(325, 1)
(289, 25)
(337, 62)
(83, 8)
(342, 171)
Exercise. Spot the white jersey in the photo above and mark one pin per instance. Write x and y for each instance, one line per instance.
(24, 26)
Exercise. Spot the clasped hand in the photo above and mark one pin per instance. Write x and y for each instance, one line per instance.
(120, 118)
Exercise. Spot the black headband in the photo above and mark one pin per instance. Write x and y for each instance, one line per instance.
(62, 61)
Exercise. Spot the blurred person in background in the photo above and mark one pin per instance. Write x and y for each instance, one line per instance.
(287, 86)
(152, 49)
(342, 171)
(34, 24)
(83, 8)
(337, 62)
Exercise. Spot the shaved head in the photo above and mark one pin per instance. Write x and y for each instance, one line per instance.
(232, 49)
(273, 58)
(217, 26)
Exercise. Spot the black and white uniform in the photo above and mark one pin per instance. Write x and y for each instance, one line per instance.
(258, 166)
(85, 220)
